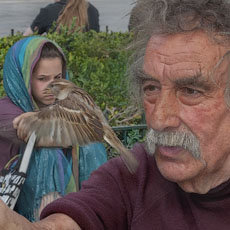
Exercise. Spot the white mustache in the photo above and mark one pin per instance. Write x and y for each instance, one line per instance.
(186, 140)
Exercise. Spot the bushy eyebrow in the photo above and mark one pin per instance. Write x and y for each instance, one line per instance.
(194, 81)
(197, 80)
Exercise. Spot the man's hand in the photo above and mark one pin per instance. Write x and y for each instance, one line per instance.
(18, 124)
(10, 220)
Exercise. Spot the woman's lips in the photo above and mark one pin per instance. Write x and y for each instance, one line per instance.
(49, 99)
(49, 96)
(169, 151)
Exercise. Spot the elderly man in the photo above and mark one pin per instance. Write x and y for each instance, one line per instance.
(180, 74)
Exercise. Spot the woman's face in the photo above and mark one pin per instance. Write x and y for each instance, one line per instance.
(47, 70)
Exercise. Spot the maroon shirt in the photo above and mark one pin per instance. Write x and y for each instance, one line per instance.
(9, 144)
(116, 200)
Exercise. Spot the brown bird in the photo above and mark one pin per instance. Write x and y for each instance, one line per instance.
(74, 119)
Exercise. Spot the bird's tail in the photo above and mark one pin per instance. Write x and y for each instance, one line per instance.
(126, 155)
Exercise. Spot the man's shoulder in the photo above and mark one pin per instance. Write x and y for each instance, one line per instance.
(146, 187)
(148, 168)
(146, 175)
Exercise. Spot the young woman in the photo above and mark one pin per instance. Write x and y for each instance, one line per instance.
(30, 65)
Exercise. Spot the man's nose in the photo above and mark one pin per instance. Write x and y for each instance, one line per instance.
(165, 114)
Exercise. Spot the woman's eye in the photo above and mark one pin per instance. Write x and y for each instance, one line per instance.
(58, 77)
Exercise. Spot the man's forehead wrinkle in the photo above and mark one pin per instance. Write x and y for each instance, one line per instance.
(218, 72)
(145, 76)
(179, 57)
(221, 59)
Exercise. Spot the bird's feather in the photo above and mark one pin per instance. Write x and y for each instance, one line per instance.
(75, 119)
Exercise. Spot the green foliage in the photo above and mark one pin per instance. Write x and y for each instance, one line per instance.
(5, 44)
(97, 63)
(129, 138)
(134, 136)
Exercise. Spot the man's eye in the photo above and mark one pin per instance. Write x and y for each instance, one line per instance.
(149, 89)
(191, 91)
(190, 96)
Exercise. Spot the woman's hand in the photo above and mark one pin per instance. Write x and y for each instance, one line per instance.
(18, 124)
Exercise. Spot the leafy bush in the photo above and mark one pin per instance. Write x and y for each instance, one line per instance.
(5, 44)
(128, 138)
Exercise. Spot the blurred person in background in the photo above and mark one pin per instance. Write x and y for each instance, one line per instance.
(63, 12)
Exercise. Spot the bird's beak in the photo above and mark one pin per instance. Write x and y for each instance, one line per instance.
(47, 91)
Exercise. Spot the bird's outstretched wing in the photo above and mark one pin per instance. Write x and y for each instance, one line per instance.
(65, 124)
(74, 119)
